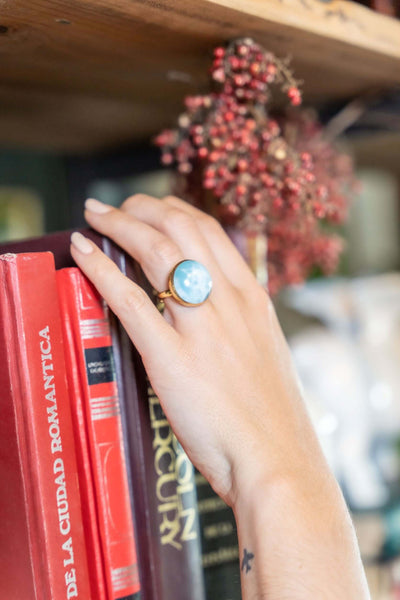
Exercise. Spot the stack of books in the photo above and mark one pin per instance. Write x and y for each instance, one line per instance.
(98, 499)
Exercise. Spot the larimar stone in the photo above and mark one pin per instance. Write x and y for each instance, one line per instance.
(192, 282)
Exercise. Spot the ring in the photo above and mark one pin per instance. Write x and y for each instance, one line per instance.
(189, 283)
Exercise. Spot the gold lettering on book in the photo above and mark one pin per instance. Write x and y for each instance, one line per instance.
(175, 488)
(220, 556)
(61, 496)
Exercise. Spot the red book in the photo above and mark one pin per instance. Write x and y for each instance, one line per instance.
(42, 549)
(98, 428)
(168, 533)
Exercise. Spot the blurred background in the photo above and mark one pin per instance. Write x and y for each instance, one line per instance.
(344, 331)
(76, 132)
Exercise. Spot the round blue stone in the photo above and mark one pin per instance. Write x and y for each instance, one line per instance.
(192, 282)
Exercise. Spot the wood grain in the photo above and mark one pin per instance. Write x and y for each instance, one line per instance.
(81, 75)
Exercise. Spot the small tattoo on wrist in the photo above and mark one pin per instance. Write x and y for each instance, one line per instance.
(247, 558)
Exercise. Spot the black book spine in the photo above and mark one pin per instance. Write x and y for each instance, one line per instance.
(220, 548)
(163, 480)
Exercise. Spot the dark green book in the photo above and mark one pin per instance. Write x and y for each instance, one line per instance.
(219, 541)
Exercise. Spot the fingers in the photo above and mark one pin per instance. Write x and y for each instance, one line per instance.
(167, 237)
(142, 321)
(161, 233)
(171, 211)
(154, 251)
(174, 222)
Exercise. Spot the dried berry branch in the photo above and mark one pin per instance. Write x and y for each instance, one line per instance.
(263, 174)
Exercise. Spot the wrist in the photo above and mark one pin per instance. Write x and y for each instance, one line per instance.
(282, 470)
(292, 498)
(303, 491)
(300, 534)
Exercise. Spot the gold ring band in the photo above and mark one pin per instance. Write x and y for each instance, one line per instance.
(166, 294)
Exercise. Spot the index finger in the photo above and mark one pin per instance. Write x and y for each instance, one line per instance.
(143, 322)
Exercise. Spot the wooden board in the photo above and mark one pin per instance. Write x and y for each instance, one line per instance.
(82, 75)
(377, 151)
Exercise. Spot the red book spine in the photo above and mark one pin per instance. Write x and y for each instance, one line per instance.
(43, 554)
(76, 386)
(93, 386)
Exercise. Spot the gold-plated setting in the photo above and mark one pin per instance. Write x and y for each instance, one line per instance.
(171, 292)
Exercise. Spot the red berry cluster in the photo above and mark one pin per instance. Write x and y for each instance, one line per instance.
(293, 252)
(254, 171)
(245, 71)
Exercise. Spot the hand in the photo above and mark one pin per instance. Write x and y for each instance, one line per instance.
(222, 372)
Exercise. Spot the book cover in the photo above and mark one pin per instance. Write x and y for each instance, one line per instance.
(98, 428)
(42, 549)
(167, 571)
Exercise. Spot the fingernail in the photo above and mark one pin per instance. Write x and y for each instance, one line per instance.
(97, 207)
(81, 243)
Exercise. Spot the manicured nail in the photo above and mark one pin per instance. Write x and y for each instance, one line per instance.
(97, 207)
(81, 243)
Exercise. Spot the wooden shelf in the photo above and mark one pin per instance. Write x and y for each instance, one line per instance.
(82, 75)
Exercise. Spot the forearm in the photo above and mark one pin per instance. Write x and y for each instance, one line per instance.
(297, 543)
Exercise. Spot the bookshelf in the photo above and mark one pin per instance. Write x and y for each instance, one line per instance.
(85, 77)
(89, 75)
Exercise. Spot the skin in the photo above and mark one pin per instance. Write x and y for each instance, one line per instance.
(224, 377)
